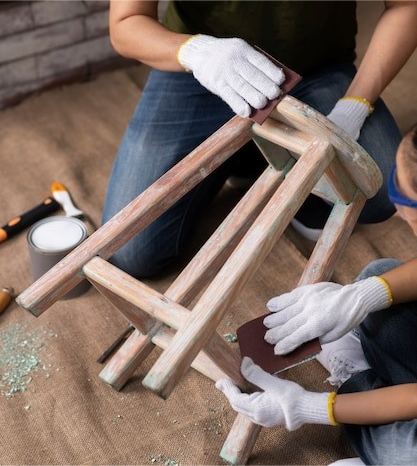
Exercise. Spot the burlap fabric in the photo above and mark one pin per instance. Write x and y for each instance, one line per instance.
(54, 408)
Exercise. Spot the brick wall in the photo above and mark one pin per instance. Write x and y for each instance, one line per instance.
(46, 43)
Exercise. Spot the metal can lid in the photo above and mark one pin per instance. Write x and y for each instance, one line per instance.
(57, 234)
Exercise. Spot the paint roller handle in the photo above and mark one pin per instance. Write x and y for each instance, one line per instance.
(17, 224)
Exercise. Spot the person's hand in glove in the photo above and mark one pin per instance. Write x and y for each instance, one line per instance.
(281, 403)
(325, 310)
(233, 70)
(350, 114)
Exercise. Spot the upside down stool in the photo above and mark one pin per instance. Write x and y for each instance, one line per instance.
(307, 153)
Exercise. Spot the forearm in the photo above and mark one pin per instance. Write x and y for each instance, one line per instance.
(392, 43)
(403, 282)
(135, 32)
(379, 406)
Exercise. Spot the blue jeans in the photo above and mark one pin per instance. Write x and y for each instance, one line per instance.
(389, 341)
(174, 115)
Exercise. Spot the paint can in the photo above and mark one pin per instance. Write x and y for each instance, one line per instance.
(50, 240)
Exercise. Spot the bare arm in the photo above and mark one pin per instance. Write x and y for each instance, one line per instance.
(135, 32)
(379, 406)
(402, 282)
(393, 42)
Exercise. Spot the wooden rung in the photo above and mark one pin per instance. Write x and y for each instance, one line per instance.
(283, 135)
(143, 321)
(136, 292)
(297, 141)
(250, 253)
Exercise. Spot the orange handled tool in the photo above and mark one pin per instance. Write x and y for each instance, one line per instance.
(17, 224)
(6, 295)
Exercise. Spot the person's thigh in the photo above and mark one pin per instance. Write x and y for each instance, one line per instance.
(174, 115)
(379, 136)
(389, 343)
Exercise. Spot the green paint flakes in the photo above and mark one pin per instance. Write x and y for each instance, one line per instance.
(214, 426)
(161, 459)
(230, 337)
(20, 356)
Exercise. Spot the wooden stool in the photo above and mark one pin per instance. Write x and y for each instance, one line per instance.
(306, 153)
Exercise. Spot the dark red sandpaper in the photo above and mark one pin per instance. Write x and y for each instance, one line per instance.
(252, 344)
(291, 80)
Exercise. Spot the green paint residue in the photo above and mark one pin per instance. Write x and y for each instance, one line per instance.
(230, 337)
(161, 459)
(19, 357)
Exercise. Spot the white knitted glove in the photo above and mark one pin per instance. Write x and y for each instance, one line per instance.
(350, 115)
(325, 310)
(282, 403)
(233, 70)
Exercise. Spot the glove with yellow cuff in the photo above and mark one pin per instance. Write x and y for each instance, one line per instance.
(325, 310)
(281, 403)
(233, 70)
(350, 114)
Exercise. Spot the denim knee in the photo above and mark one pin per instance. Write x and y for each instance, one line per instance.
(388, 336)
(140, 263)
(378, 267)
(397, 445)
(388, 444)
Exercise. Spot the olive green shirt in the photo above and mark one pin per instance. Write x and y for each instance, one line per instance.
(304, 35)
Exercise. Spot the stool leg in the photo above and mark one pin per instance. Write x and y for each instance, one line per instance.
(240, 441)
(135, 350)
(333, 240)
(243, 434)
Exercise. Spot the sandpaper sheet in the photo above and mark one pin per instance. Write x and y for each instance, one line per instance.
(252, 344)
(291, 80)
